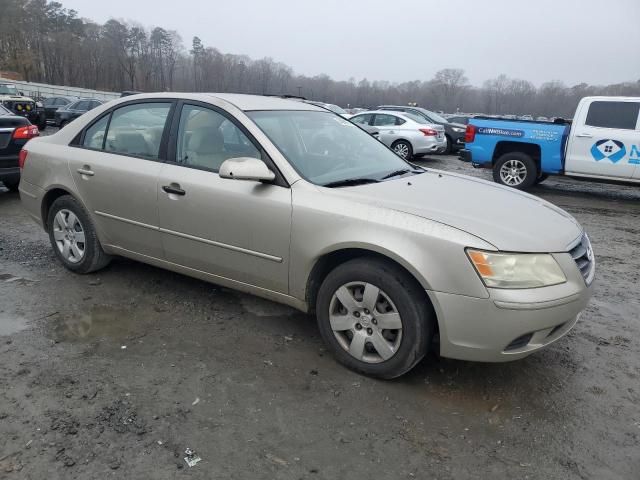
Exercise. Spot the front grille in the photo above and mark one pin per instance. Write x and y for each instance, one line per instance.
(20, 107)
(582, 254)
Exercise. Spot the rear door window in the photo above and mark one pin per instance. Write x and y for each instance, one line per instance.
(620, 115)
(382, 120)
(137, 130)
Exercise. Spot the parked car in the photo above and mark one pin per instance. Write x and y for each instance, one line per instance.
(15, 131)
(602, 143)
(21, 105)
(290, 202)
(52, 104)
(454, 132)
(67, 114)
(406, 134)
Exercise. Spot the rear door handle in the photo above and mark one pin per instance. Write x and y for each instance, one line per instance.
(584, 135)
(86, 170)
(174, 189)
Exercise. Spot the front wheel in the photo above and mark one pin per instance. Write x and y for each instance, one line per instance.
(403, 149)
(516, 170)
(73, 236)
(374, 317)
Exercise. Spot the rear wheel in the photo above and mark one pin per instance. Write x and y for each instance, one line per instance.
(448, 148)
(73, 236)
(403, 149)
(516, 170)
(374, 317)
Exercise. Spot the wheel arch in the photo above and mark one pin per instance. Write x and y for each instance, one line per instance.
(330, 260)
(504, 146)
(51, 196)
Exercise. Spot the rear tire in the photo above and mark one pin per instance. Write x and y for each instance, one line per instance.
(449, 148)
(378, 294)
(73, 236)
(403, 149)
(515, 170)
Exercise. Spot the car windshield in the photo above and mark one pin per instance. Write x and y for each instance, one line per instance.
(8, 89)
(416, 118)
(325, 148)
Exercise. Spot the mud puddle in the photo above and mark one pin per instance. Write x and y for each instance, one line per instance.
(101, 322)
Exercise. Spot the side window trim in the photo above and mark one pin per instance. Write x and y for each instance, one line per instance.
(172, 140)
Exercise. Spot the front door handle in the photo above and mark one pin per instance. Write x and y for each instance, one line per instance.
(86, 170)
(584, 135)
(174, 189)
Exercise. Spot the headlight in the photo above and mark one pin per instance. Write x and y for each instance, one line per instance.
(39, 104)
(459, 130)
(516, 270)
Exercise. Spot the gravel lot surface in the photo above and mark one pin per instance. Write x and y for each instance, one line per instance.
(116, 374)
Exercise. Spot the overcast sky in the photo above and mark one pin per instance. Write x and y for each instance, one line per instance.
(593, 41)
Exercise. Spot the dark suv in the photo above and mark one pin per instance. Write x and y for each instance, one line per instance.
(15, 131)
(453, 131)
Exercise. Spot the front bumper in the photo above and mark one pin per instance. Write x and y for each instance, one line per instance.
(510, 324)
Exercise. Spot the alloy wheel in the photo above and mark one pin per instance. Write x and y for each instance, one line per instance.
(402, 149)
(513, 172)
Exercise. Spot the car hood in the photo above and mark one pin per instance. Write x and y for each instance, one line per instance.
(15, 98)
(508, 219)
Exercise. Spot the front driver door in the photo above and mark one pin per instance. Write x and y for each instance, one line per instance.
(233, 229)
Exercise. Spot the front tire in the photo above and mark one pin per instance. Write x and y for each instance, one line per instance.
(449, 148)
(403, 149)
(516, 170)
(374, 317)
(73, 236)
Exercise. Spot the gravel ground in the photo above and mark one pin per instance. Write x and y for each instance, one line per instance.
(117, 373)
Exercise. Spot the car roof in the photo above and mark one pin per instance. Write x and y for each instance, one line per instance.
(242, 101)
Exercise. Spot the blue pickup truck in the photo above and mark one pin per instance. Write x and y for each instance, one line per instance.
(601, 143)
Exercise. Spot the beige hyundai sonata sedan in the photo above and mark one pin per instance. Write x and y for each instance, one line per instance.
(291, 202)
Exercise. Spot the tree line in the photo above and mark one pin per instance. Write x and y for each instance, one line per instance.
(44, 42)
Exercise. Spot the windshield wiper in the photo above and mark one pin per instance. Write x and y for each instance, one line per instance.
(348, 182)
(401, 172)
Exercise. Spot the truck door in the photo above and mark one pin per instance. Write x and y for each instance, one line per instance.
(604, 137)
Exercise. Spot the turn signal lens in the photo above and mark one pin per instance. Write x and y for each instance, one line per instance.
(516, 270)
(470, 134)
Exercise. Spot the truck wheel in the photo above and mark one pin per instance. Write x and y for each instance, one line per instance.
(374, 317)
(73, 236)
(403, 149)
(516, 170)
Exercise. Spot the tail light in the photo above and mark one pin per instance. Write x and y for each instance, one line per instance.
(428, 132)
(25, 133)
(22, 157)
(470, 134)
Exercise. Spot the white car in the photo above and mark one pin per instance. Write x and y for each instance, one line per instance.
(405, 133)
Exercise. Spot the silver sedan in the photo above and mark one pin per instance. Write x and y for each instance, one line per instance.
(294, 203)
(406, 134)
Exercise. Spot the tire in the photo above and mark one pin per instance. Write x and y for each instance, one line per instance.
(403, 146)
(398, 293)
(516, 170)
(12, 186)
(92, 255)
(449, 148)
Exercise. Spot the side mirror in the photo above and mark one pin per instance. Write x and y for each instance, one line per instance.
(246, 168)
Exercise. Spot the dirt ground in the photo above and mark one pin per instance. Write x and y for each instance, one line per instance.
(116, 374)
